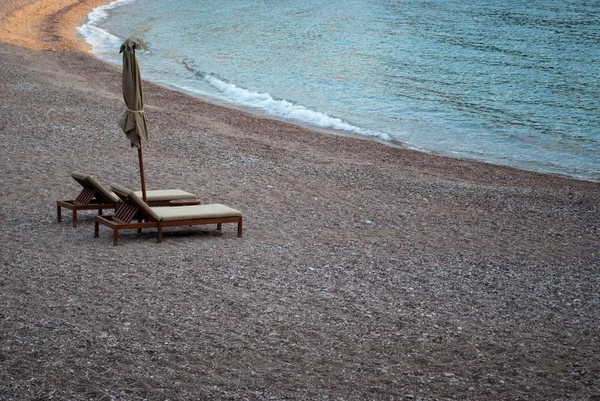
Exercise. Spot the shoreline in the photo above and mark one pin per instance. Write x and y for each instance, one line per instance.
(51, 25)
(45, 24)
(364, 272)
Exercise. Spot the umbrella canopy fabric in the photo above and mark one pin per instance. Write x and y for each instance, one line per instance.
(133, 121)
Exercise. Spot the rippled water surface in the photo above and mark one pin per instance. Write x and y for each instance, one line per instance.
(508, 82)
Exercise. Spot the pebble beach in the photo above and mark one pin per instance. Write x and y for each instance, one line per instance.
(365, 271)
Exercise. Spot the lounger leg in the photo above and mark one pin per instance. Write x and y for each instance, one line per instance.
(115, 237)
(240, 227)
(58, 214)
(139, 230)
(159, 236)
(96, 229)
(219, 226)
(99, 212)
(74, 217)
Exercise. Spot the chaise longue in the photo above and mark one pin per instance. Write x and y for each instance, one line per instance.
(134, 208)
(94, 196)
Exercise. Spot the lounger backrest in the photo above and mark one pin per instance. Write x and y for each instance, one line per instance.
(88, 181)
(129, 196)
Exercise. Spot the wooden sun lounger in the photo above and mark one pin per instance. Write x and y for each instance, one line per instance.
(134, 208)
(94, 196)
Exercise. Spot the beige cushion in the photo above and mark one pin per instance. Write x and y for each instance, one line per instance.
(165, 195)
(81, 176)
(97, 186)
(137, 201)
(195, 212)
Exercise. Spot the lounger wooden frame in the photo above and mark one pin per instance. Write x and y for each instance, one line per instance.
(90, 198)
(130, 210)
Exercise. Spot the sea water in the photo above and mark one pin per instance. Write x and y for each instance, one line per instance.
(507, 82)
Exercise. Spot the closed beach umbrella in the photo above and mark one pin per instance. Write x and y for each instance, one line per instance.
(133, 122)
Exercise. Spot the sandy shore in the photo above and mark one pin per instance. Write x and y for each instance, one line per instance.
(365, 271)
(45, 24)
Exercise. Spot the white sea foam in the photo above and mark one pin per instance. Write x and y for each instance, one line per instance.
(101, 40)
(284, 108)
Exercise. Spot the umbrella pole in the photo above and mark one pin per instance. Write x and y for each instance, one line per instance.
(141, 159)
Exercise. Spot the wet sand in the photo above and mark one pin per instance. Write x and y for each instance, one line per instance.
(364, 272)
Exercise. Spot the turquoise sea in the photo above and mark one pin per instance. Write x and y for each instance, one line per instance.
(507, 82)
